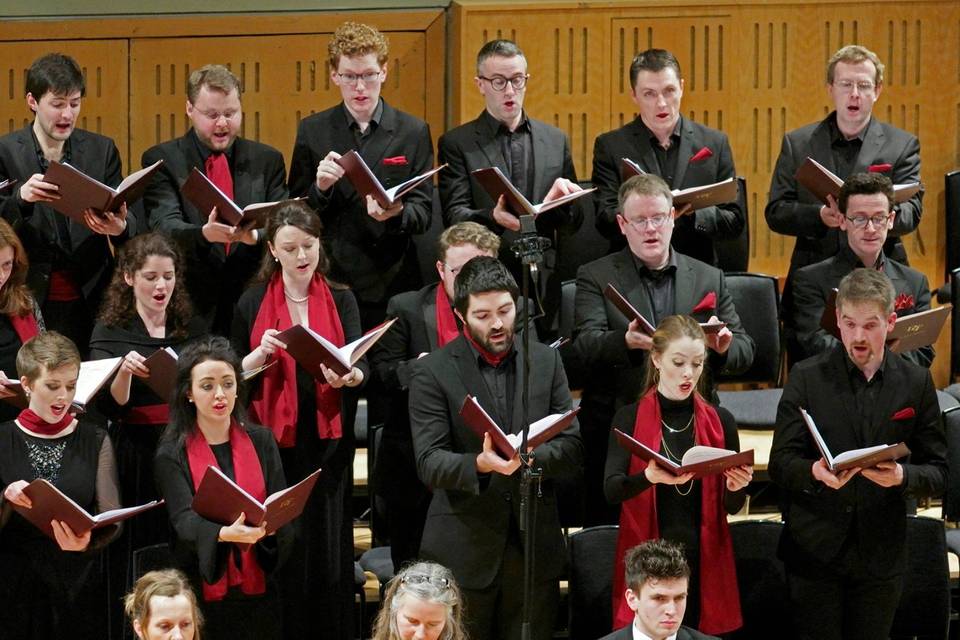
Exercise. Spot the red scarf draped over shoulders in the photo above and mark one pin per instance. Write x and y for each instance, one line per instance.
(25, 326)
(447, 327)
(243, 570)
(274, 402)
(719, 594)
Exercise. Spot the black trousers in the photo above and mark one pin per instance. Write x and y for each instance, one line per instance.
(841, 601)
(496, 612)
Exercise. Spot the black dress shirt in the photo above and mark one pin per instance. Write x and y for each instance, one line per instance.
(659, 285)
(517, 149)
(362, 136)
(844, 151)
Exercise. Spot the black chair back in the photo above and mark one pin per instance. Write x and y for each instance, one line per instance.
(757, 297)
(951, 497)
(764, 599)
(951, 205)
(924, 609)
(592, 553)
(733, 254)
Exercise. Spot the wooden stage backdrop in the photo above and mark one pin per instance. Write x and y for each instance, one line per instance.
(753, 68)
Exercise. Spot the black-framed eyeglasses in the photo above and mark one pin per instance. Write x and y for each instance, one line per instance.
(860, 222)
(421, 578)
(368, 77)
(499, 83)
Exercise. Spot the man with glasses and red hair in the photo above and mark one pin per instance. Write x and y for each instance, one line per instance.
(370, 248)
(658, 281)
(867, 213)
(533, 155)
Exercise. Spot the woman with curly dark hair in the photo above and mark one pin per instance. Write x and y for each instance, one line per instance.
(311, 419)
(231, 564)
(143, 310)
(20, 317)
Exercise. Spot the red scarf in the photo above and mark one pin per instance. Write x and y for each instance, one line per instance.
(246, 573)
(35, 424)
(25, 326)
(447, 327)
(217, 168)
(719, 594)
(275, 402)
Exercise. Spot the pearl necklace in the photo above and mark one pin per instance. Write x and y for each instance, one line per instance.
(296, 300)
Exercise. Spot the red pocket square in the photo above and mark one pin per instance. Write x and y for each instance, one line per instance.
(904, 414)
(395, 160)
(903, 301)
(880, 168)
(703, 154)
(709, 303)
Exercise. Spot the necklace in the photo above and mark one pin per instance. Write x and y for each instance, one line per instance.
(672, 430)
(295, 300)
(672, 457)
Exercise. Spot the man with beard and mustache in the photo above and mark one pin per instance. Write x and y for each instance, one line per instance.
(472, 524)
(844, 540)
(866, 206)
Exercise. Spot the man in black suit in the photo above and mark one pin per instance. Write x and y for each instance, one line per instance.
(682, 152)
(425, 323)
(659, 282)
(849, 140)
(533, 155)
(844, 541)
(865, 202)
(220, 258)
(473, 522)
(70, 263)
(370, 248)
(657, 575)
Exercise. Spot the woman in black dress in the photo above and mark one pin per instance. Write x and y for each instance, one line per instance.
(20, 317)
(311, 419)
(50, 589)
(670, 418)
(230, 564)
(143, 310)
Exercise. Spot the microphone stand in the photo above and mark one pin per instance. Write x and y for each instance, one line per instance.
(529, 248)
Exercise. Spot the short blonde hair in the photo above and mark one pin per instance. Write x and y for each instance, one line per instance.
(854, 54)
(353, 39)
(49, 350)
(467, 233)
(213, 76)
(168, 583)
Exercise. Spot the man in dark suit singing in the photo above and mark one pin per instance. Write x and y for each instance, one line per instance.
(220, 258)
(849, 140)
(425, 322)
(659, 282)
(866, 206)
(682, 152)
(844, 541)
(70, 263)
(370, 248)
(473, 522)
(657, 579)
(533, 155)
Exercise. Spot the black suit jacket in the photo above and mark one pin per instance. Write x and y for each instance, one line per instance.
(617, 372)
(474, 146)
(684, 633)
(86, 254)
(471, 515)
(377, 259)
(213, 277)
(811, 289)
(695, 232)
(819, 520)
(794, 211)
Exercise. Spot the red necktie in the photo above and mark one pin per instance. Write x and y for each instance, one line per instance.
(218, 170)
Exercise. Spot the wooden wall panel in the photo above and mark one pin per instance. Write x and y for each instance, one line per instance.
(284, 79)
(106, 103)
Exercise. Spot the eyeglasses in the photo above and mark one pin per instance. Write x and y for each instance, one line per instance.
(847, 86)
(368, 77)
(499, 83)
(654, 222)
(860, 222)
(421, 578)
(214, 116)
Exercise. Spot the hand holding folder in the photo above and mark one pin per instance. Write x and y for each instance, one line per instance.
(821, 182)
(508, 445)
(496, 184)
(79, 192)
(707, 195)
(367, 184)
(700, 460)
